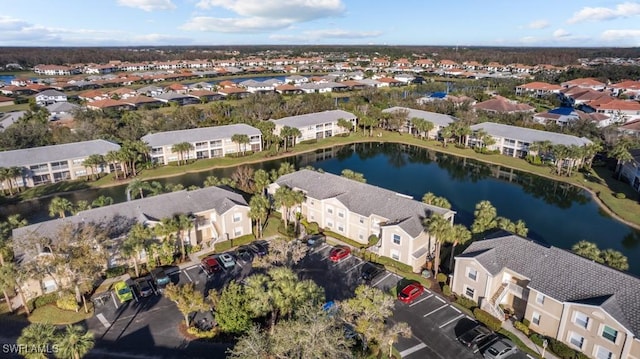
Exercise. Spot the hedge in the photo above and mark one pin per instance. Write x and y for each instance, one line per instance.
(467, 303)
(226, 245)
(346, 240)
(487, 319)
(67, 302)
(42, 300)
(557, 347)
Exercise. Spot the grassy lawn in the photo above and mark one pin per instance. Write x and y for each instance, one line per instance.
(271, 229)
(519, 343)
(54, 315)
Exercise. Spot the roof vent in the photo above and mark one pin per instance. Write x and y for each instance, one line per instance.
(404, 195)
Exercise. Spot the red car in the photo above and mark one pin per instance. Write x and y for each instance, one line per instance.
(210, 265)
(409, 293)
(339, 252)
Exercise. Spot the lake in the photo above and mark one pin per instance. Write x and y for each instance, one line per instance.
(557, 213)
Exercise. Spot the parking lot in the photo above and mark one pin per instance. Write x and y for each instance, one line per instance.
(435, 323)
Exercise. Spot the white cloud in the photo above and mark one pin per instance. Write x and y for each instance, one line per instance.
(629, 37)
(561, 33)
(318, 35)
(262, 15)
(624, 10)
(538, 24)
(148, 5)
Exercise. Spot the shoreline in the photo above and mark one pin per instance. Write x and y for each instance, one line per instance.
(429, 145)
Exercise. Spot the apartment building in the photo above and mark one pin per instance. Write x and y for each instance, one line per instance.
(588, 306)
(206, 142)
(51, 164)
(358, 210)
(316, 125)
(217, 214)
(439, 120)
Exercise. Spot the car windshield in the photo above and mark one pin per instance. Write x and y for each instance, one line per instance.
(123, 290)
(403, 294)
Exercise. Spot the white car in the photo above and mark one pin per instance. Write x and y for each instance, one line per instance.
(227, 260)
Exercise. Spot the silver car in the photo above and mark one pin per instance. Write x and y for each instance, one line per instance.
(500, 349)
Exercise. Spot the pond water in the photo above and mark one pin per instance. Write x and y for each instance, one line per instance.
(555, 212)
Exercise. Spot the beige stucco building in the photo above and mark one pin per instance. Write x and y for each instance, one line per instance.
(316, 125)
(217, 215)
(358, 210)
(588, 306)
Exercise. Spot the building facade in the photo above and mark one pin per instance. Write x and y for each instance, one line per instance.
(316, 125)
(438, 120)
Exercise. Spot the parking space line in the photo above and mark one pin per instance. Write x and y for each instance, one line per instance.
(354, 267)
(412, 350)
(421, 300)
(188, 276)
(456, 309)
(380, 281)
(440, 299)
(103, 320)
(435, 310)
(451, 321)
(193, 266)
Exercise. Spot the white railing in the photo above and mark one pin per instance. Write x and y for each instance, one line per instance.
(493, 309)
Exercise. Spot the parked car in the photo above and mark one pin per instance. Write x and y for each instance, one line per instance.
(260, 248)
(313, 240)
(245, 253)
(143, 287)
(210, 264)
(476, 337)
(339, 252)
(227, 260)
(500, 349)
(160, 278)
(410, 292)
(123, 292)
(370, 270)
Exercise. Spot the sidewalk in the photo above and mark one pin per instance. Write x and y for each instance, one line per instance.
(509, 326)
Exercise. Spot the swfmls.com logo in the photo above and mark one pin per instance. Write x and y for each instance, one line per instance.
(29, 349)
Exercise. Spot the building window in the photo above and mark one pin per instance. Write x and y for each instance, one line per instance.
(312, 202)
(535, 318)
(341, 214)
(360, 235)
(329, 224)
(576, 340)
(311, 216)
(603, 353)
(237, 231)
(237, 217)
(581, 320)
(540, 298)
(361, 220)
(376, 224)
(609, 333)
(472, 274)
(395, 255)
(396, 239)
(469, 292)
(330, 210)
(340, 227)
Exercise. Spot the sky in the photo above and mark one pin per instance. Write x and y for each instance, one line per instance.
(556, 23)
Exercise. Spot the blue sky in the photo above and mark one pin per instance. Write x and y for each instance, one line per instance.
(556, 23)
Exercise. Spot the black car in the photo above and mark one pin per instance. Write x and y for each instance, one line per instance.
(313, 240)
(476, 337)
(143, 287)
(370, 270)
(244, 253)
(160, 278)
(260, 248)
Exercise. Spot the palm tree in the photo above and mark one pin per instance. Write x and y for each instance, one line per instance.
(484, 217)
(261, 180)
(60, 206)
(40, 335)
(346, 124)
(560, 152)
(74, 342)
(286, 198)
(446, 133)
(185, 224)
(241, 139)
(181, 148)
(258, 211)
(113, 158)
(440, 228)
(102, 201)
(135, 243)
(461, 235)
(615, 259)
(423, 127)
(9, 175)
(8, 281)
(94, 161)
(368, 122)
(621, 153)
(432, 199)
(136, 187)
(588, 250)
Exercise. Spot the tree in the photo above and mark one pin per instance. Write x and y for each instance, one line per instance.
(187, 298)
(356, 176)
(102, 201)
(259, 211)
(368, 122)
(253, 344)
(621, 153)
(261, 180)
(113, 158)
(461, 235)
(241, 139)
(286, 253)
(181, 149)
(94, 161)
(285, 198)
(80, 206)
(588, 250)
(74, 342)
(137, 187)
(423, 127)
(440, 228)
(614, 259)
(285, 168)
(432, 199)
(346, 124)
(392, 334)
(367, 311)
(8, 282)
(36, 335)
(243, 177)
(59, 207)
(484, 217)
(184, 224)
(135, 243)
(231, 309)
(446, 133)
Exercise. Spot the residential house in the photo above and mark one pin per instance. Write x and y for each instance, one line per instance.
(438, 120)
(56, 70)
(631, 89)
(141, 101)
(588, 83)
(345, 206)
(316, 125)
(6, 101)
(296, 79)
(62, 110)
(578, 96)
(254, 86)
(178, 98)
(233, 92)
(207, 142)
(109, 104)
(620, 111)
(499, 104)
(56, 163)
(515, 141)
(586, 305)
(537, 89)
(49, 97)
(560, 116)
(150, 91)
(217, 213)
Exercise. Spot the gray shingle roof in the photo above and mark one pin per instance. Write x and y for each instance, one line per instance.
(529, 135)
(562, 275)
(62, 107)
(51, 93)
(314, 118)
(45, 154)
(435, 118)
(199, 134)
(363, 199)
(121, 216)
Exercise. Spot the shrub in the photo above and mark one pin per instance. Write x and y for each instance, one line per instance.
(42, 300)
(441, 278)
(487, 319)
(621, 195)
(308, 142)
(534, 160)
(115, 271)
(67, 302)
(522, 327)
(388, 262)
(557, 347)
(537, 338)
(526, 322)
(202, 334)
(310, 227)
(290, 231)
(446, 290)
(373, 240)
(226, 245)
(427, 284)
(467, 303)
